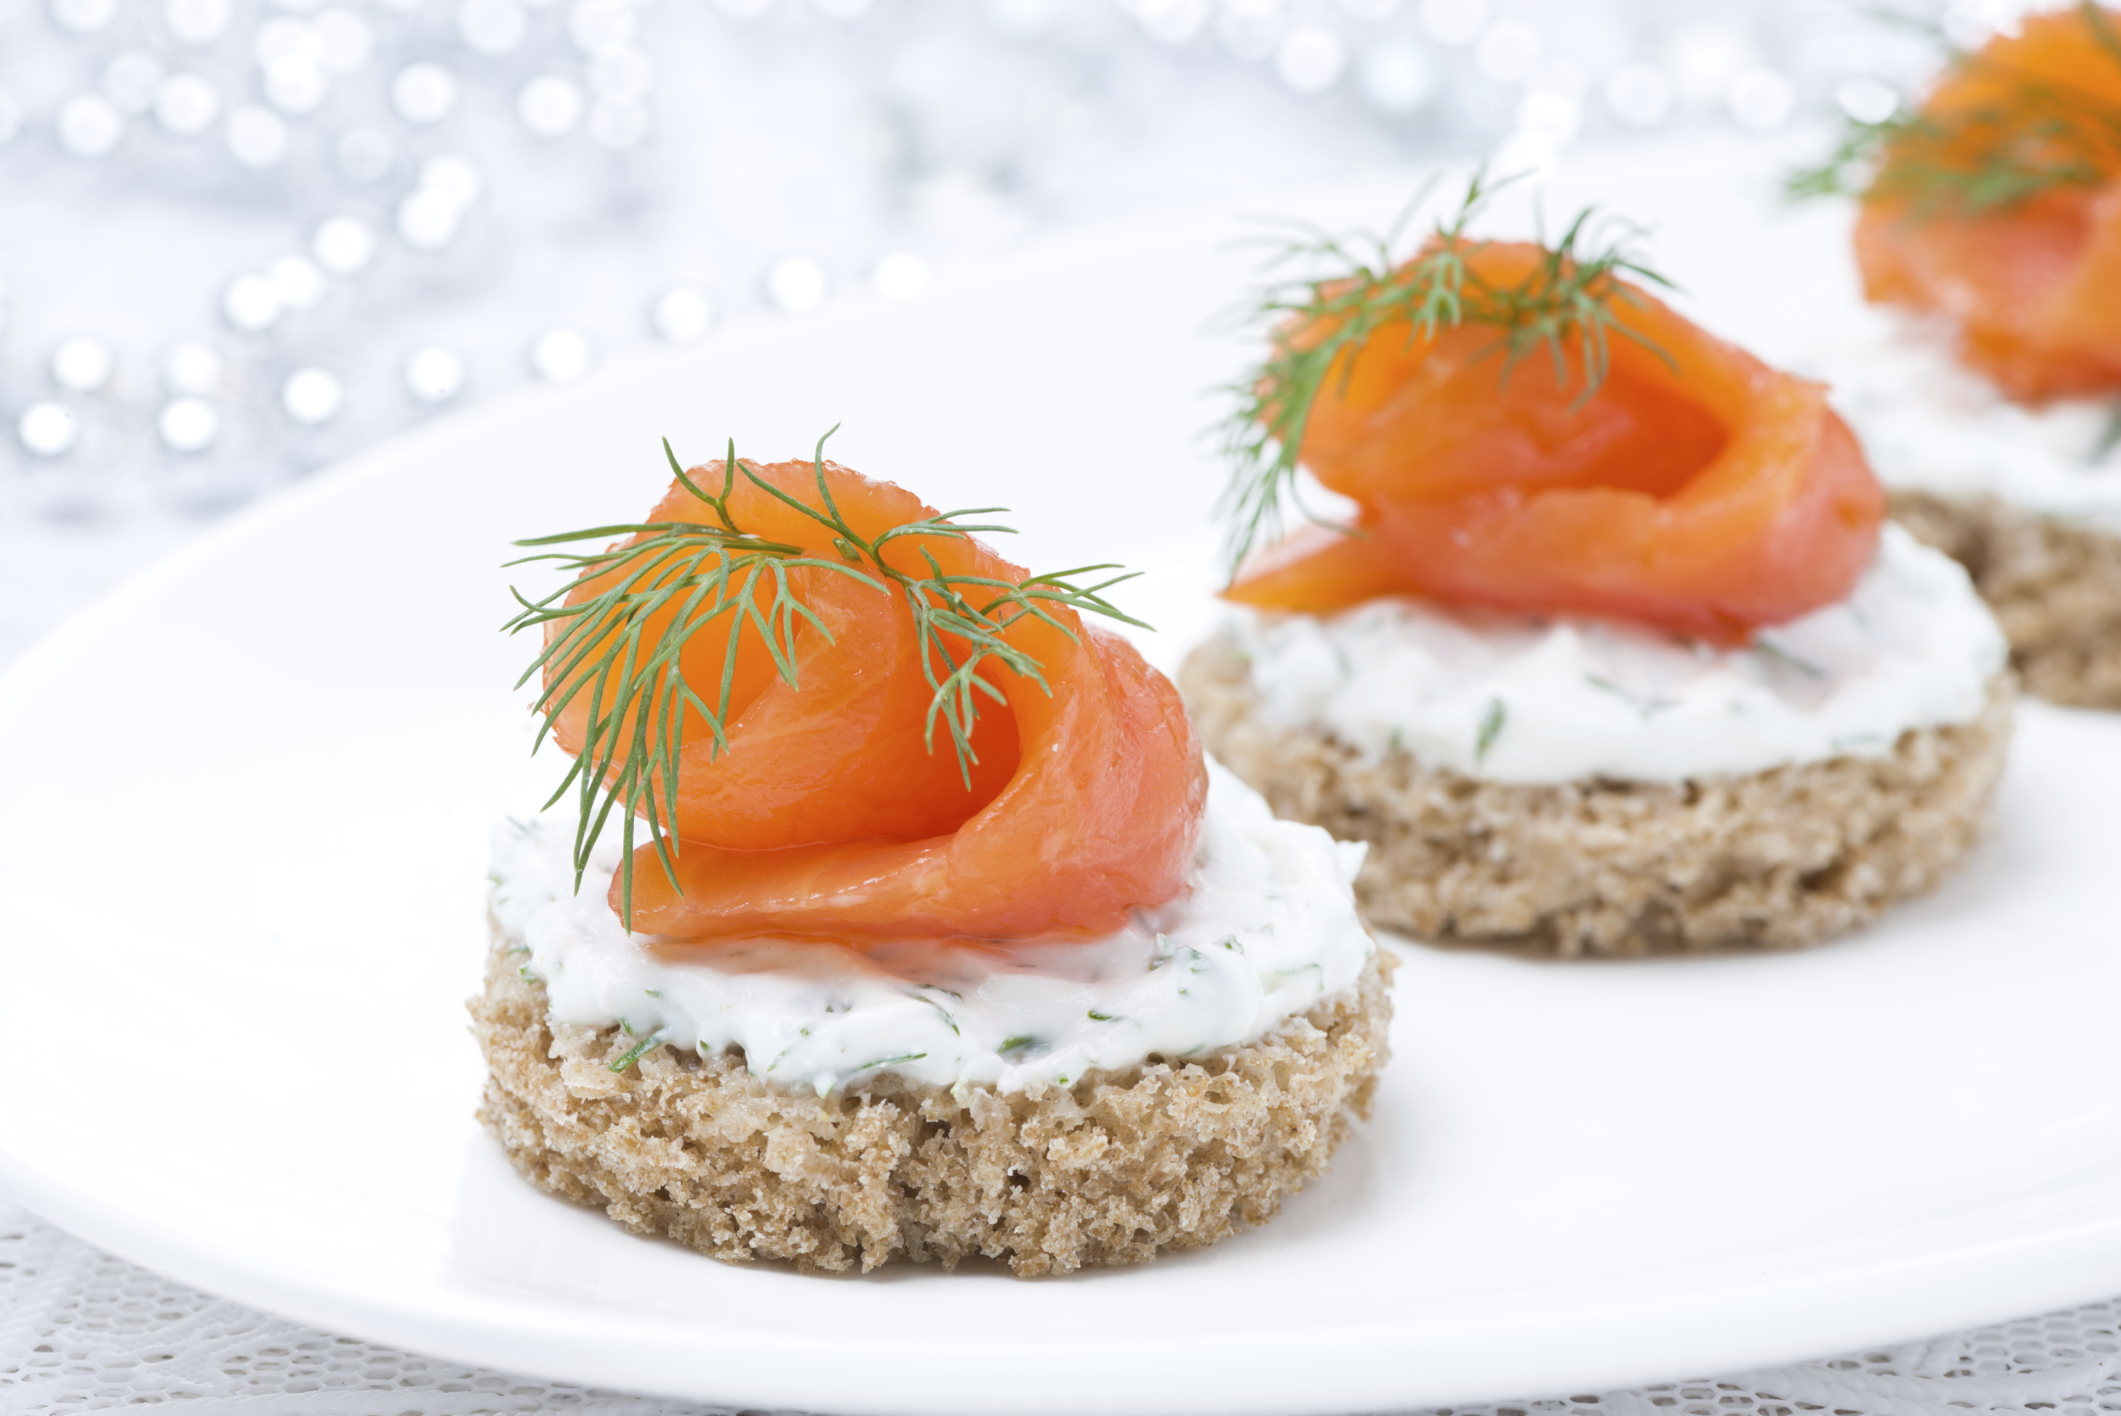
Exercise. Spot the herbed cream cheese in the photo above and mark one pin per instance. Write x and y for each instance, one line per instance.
(1550, 700)
(1928, 423)
(1266, 928)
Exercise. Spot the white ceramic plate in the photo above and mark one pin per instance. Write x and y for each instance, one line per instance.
(241, 877)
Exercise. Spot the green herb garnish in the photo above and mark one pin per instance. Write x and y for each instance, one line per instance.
(1788, 660)
(887, 1062)
(702, 573)
(639, 1050)
(1491, 721)
(1352, 287)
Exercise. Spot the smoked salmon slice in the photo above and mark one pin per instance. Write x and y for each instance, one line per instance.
(833, 806)
(1998, 207)
(1689, 486)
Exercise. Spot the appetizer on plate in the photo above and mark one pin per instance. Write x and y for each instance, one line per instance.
(896, 914)
(1991, 221)
(1613, 657)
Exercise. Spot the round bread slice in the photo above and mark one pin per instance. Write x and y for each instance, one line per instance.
(1110, 1169)
(2055, 586)
(1777, 859)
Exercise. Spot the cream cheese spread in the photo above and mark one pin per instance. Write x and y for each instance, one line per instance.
(1928, 423)
(1266, 929)
(1514, 699)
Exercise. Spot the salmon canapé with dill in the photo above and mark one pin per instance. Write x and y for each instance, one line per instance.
(1989, 232)
(888, 908)
(1611, 653)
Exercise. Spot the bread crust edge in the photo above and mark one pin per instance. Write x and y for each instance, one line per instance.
(1778, 859)
(1114, 1168)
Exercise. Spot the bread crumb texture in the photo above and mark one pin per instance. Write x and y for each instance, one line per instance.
(2055, 587)
(1777, 859)
(1111, 1169)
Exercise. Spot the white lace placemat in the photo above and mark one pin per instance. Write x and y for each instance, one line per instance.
(83, 1331)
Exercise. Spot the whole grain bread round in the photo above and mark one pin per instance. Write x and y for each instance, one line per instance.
(2055, 587)
(1110, 1169)
(1776, 859)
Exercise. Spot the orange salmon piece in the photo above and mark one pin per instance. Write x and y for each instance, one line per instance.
(1696, 490)
(2033, 290)
(828, 816)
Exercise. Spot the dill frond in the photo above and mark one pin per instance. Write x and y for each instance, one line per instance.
(1354, 286)
(638, 700)
(2038, 137)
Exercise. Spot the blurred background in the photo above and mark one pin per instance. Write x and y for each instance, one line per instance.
(241, 239)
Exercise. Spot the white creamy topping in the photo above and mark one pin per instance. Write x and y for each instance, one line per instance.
(1929, 423)
(1513, 699)
(1266, 928)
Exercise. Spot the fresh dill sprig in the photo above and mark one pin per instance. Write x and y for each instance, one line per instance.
(695, 574)
(2038, 137)
(1352, 287)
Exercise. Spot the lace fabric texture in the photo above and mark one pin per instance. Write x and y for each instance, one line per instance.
(83, 1331)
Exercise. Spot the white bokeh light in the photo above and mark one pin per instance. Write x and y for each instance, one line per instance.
(434, 374)
(188, 425)
(46, 429)
(90, 125)
(683, 315)
(249, 304)
(295, 84)
(428, 220)
(560, 356)
(550, 106)
(191, 367)
(82, 365)
(312, 396)
(343, 245)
